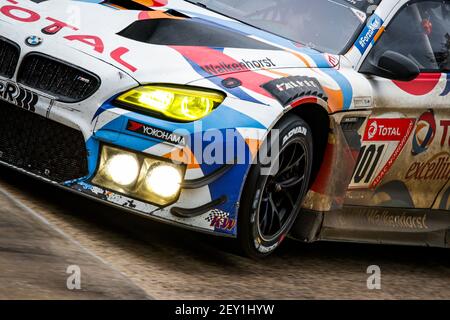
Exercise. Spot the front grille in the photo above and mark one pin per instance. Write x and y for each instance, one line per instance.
(65, 82)
(9, 56)
(41, 146)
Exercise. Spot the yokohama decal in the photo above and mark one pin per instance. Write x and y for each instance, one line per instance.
(156, 133)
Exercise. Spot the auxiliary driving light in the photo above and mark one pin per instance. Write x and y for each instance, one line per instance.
(139, 176)
(123, 169)
(164, 181)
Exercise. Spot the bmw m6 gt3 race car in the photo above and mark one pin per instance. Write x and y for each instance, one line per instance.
(256, 119)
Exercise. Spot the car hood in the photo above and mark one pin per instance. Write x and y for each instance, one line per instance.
(176, 42)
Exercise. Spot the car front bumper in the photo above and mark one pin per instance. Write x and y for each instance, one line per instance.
(209, 200)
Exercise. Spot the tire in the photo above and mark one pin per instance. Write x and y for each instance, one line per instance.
(261, 228)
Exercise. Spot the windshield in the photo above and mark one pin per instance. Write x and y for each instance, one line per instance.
(325, 25)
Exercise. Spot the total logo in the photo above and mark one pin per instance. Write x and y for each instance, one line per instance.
(18, 12)
(373, 130)
(445, 124)
(386, 129)
(424, 133)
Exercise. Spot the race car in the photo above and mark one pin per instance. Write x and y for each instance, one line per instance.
(255, 120)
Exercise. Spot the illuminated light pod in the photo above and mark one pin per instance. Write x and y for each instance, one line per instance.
(176, 103)
(139, 176)
(164, 180)
(122, 169)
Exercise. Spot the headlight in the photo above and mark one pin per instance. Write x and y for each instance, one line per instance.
(183, 104)
(139, 176)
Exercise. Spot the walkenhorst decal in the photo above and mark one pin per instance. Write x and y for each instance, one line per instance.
(243, 65)
(201, 57)
(166, 108)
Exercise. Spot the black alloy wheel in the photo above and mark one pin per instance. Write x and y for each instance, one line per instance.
(274, 193)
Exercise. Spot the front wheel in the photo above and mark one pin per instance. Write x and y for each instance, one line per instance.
(275, 188)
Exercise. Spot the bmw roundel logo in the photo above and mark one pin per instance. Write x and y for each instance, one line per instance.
(33, 41)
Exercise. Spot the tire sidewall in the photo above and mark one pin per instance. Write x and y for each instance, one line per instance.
(290, 128)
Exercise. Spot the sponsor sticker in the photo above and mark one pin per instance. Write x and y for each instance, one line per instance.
(383, 141)
(436, 168)
(369, 33)
(362, 102)
(424, 133)
(296, 130)
(223, 67)
(445, 140)
(400, 220)
(21, 97)
(221, 220)
(289, 89)
(156, 133)
(386, 129)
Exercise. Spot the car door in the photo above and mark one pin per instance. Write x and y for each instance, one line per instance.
(405, 155)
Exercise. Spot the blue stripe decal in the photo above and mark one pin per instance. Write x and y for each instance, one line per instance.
(341, 80)
(344, 84)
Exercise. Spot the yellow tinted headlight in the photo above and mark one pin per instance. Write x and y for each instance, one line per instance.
(184, 104)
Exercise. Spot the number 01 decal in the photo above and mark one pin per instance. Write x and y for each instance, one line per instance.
(383, 141)
(369, 159)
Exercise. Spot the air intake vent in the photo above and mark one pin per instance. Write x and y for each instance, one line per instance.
(41, 146)
(65, 82)
(9, 56)
(187, 32)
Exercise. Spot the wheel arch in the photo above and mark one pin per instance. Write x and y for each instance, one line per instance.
(318, 119)
(308, 224)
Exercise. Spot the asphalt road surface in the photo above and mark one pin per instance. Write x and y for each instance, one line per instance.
(171, 263)
(38, 260)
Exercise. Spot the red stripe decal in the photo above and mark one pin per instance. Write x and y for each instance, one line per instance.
(422, 85)
(207, 57)
(303, 100)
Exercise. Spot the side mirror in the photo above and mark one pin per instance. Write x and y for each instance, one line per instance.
(392, 65)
